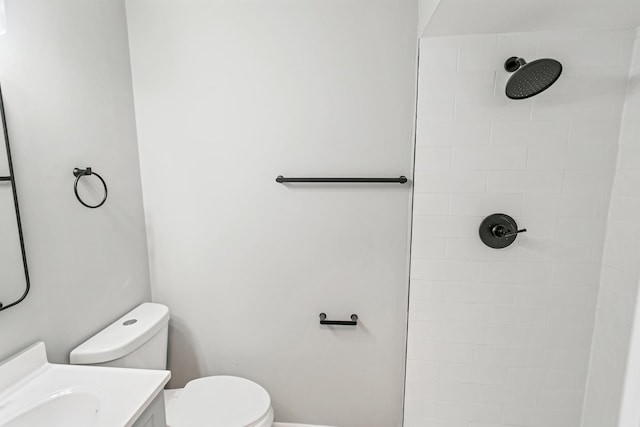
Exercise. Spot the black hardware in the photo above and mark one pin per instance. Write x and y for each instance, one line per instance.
(400, 180)
(514, 63)
(499, 231)
(352, 322)
(79, 173)
(12, 179)
(530, 79)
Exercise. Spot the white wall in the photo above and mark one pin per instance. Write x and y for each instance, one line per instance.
(458, 17)
(613, 391)
(230, 95)
(66, 80)
(502, 337)
(426, 10)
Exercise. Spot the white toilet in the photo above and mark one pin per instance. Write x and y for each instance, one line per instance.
(139, 340)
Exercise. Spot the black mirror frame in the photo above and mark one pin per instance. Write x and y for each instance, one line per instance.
(12, 179)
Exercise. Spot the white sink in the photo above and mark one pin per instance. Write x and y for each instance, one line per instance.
(38, 393)
(64, 409)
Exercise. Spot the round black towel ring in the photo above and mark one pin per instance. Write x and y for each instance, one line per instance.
(79, 173)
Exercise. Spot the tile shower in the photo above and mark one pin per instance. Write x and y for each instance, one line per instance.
(503, 337)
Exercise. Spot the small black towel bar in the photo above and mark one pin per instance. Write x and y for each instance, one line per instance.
(400, 180)
(352, 322)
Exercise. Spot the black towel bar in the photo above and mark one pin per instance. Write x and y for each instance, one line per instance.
(352, 322)
(400, 180)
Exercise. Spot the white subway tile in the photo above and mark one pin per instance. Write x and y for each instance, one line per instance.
(448, 135)
(602, 131)
(433, 158)
(538, 36)
(421, 330)
(530, 133)
(491, 109)
(425, 290)
(521, 182)
(599, 35)
(470, 333)
(508, 315)
(582, 53)
(561, 400)
(572, 296)
(490, 158)
(483, 293)
(432, 422)
(474, 249)
(581, 229)
(438, 311)
(533, 249)
(450, 182)
(489, 55)
(576, 274)
(456, 373)
(469, 411)
(484, 204)
(458, 84)
(532, 295)
(438, 60)
(572, 107)
(507, 356)
(444, 226)
(560, 205)
(430, 204)
(428, 248)
(503, 337)
(434, 110)
(419, 408)
(593, 81)
(571, 317)
(571, 360)
(456, 392)
(420, 390)
(539, 229)
(563, 380)
(573, 157)
(509, 272)
(422, 371)
(583, 182)
(441, 270)
(440, 352)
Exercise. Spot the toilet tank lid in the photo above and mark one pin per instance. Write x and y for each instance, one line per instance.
(123, 336)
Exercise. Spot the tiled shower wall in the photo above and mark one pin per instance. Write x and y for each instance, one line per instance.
(502, 338)
(611, 363)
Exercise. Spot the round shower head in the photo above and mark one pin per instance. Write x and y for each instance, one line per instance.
(529, 79)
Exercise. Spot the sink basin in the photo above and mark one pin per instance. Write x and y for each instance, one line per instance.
(36, 393)
(64, 409)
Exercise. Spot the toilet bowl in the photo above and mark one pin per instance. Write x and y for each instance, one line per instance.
(221, 400)
(139, 340)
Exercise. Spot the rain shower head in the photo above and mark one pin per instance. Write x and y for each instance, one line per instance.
(529, 79)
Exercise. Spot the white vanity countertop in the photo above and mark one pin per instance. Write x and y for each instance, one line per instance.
(28, 379)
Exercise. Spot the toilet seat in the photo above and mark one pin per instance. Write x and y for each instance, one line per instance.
(221, 401)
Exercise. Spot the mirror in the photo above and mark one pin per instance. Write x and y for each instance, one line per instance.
(14, 281)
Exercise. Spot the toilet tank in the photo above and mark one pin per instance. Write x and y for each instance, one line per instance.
(136, 340)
